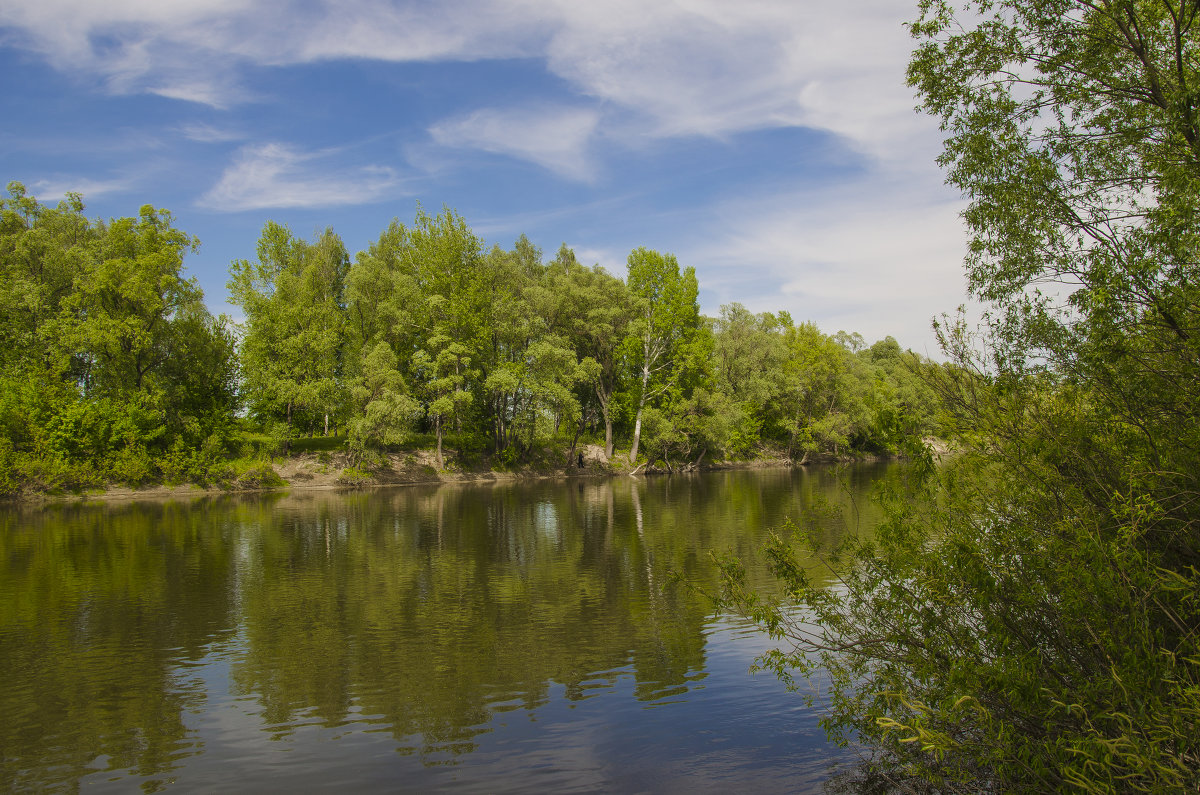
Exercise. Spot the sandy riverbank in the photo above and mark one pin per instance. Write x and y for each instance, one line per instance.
(336, 470)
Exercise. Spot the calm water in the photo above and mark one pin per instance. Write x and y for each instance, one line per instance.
(467, 638)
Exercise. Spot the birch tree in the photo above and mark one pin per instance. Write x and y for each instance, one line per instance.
(666, 318)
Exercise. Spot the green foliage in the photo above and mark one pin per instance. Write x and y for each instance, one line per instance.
(1026, 619)
(593, 312)
(353, 476)
(823, 406)
(292, 346)
(815, 395)
(112, 367)
(259, 476)
(664, 341)
(385, 411)
(110, 358)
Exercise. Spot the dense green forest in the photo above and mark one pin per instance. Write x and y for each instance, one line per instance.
(113, 369)
(1028, 617)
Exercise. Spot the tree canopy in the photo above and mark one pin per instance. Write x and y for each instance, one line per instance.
(110, 358)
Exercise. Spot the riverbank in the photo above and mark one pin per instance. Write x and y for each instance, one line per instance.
(337, 470)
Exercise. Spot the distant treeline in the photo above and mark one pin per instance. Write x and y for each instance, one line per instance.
(113, 369)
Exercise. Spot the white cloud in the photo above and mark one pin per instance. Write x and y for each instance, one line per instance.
(460, 30)
(883, 263)
(712, 67)
(192, 50)
(554, 138)
(276, 175)
(52, 190)
(199, 91)
(178, 49)
(688, 67)
(612, 262)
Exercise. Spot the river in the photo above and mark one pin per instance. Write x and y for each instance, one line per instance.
(490, 638)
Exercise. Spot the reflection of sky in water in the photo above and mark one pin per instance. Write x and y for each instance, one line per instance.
(545, 519)
(474, 639)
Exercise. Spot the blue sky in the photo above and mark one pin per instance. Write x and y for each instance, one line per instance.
(772, 144)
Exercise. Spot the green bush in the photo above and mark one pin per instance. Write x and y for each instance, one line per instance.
(10, 481)
(354, 477)
(131, 465)
(260, 475)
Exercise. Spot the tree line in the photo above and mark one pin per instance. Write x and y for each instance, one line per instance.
(113, 368)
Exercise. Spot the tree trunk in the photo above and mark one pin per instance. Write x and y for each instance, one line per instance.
(608, 439)
(637, 435)
(637, 423)
(438, 427)
(287, 438)
(501, 427)
(574, 442)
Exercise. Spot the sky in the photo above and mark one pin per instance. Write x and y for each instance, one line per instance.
(771, 144)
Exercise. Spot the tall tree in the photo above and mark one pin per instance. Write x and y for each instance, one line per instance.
(666, 318)
(822, 406)
(749, 379)
(294, 303)
(381, 338)
(126, 296)
(446, 289)
(599, 316)
(43, 251)
(516, 325)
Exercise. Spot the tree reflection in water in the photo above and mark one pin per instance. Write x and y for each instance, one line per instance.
(132, 637)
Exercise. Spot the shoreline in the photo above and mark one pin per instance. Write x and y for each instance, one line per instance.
(333, 472)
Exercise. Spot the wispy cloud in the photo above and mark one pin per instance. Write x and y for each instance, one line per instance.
(277, 175)
(888, 267)
(701, 67)
(179, 49)
(54, 189)
(554, 138)
(714, 68)
(458, 30)
(193, 50)
(611, 261)
(208, 134)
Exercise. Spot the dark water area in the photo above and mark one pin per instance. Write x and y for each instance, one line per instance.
(475, 638)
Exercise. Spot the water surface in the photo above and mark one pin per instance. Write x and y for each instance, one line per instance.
(471, 638)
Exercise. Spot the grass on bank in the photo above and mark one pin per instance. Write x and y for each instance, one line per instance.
(250, 457)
